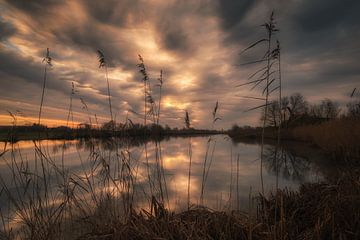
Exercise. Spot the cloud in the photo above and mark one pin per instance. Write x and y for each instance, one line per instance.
(195, 43)
(6, 30)
(233, 12)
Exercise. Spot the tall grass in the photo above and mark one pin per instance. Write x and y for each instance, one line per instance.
(187, 125)
(161, 81)
(207, 165)
(338, 137)
(150, 110)
(103, 64)
(264, 75)
(47, 61)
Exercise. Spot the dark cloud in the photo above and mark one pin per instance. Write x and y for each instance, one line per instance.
(321, 15)
(88, 35)
(172, 30)
(233, 12)
(6, 30)
(119, 13)
(35, 7)
(176, 40)
(91, 38)
(17, 66)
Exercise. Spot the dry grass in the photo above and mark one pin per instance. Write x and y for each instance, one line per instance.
(317, 211)
(196, 223)
(339, 137)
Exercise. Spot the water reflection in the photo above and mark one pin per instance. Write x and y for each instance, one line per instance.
(162, 168)
(286, 163)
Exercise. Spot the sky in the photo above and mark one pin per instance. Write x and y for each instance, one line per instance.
(197, 44)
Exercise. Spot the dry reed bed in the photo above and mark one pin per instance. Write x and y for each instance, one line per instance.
(196, 223)
(339, 137)
(316, 211)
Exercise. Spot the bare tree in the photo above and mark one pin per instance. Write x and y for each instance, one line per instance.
(297, 105)
(273, 117)
(327, 109)
(353, 109)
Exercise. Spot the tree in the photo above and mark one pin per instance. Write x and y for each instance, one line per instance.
(327, 109)
(297, 105)
(284, 106)
(353, 109)
(272, 115)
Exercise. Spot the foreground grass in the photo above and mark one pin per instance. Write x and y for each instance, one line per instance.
(316, 211)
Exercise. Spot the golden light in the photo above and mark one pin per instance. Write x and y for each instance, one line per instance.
(7, 120)
(180, 184)
(185, 80)
(170, 102)
(175, 161)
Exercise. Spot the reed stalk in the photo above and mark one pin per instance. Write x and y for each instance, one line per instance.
(47, 61)
(103, 64)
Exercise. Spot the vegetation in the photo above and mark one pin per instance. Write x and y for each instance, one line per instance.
(323, 125)
(35, 132)
(47, 60)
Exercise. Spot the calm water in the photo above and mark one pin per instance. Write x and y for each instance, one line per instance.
(232, 171)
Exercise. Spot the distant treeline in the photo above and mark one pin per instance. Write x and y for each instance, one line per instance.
(109, 129)
(326, 125)
(296, 112)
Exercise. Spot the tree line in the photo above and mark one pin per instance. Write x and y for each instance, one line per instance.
(296, 110)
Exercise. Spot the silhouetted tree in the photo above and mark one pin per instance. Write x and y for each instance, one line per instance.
(327, 109)
(297, 105)
(273, 114)
(353, 109)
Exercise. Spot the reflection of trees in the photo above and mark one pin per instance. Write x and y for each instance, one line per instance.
(110, 144)
(61, 146)
(286, 163)
(104, 144)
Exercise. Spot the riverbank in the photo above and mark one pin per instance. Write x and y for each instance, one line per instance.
(338, 137)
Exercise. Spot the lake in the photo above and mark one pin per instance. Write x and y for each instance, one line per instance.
(232, 175)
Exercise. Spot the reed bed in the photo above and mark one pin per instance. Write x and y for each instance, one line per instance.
(317, 210)
(339, 137)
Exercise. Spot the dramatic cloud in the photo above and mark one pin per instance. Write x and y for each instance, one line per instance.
(195, 43)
